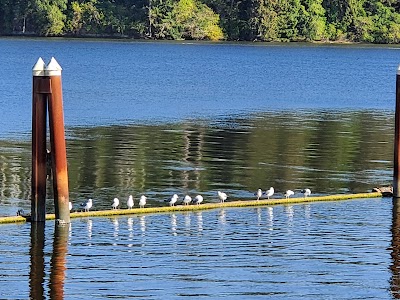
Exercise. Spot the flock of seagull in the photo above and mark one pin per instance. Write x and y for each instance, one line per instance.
(187, 199)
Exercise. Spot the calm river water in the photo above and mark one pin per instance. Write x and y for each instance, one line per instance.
(164, 118)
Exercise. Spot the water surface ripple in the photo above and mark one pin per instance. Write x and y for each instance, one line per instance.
(164, 118)
(334, 250)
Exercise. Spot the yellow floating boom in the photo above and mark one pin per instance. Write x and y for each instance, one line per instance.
(161, 209)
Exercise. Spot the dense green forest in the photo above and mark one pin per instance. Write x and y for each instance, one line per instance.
(373, 21)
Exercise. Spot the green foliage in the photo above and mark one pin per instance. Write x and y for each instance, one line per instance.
(85, 18)
(288, 18)
(190, 19)
(314, 27)
(374, 21)
(265, 20)
(50, 16)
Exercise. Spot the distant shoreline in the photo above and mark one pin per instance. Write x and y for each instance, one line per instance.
(221, 42)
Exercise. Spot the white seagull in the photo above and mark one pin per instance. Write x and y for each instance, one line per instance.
(173, 200)
(222, 196)
(115, 203)
(70, 206)
(306, 192)
(130, 202)
(270, 192)
(142, 201)
(259, 194)
(187, 200)
(88, 205)
(198, 199)
(289, 193)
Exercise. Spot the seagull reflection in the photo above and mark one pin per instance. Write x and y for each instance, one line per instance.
(222, 216)
(69, 233)
(116, 229)
(130, 225)
(290, 213)
(89, 228)
(199, 215)
(130, 230)
(307, 211)
(259, 215)
(187, 220)
(173, 224)
(142, 223)
(270, 212)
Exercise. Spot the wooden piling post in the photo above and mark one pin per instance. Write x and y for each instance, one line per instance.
(39, 119)
(396, 166)
(58, 145)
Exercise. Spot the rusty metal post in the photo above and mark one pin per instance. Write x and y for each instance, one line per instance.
(58, 145)
(396, 167)
(39, 118)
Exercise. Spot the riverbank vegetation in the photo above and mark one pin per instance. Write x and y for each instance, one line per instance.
(372, 21)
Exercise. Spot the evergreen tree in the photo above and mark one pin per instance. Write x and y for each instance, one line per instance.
(49, 16)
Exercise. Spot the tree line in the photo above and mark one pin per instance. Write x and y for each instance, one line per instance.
(371, 21)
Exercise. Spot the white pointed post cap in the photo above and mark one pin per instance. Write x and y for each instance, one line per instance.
(53, 68)
(398, 70)
(38, 68)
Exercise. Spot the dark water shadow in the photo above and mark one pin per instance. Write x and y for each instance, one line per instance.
(37, 275)
(395, 267)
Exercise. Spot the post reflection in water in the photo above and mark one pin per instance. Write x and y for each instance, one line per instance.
(395, 267)
(58, 263)
(37, 274)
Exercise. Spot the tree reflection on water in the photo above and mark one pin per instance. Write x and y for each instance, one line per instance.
(327, 151)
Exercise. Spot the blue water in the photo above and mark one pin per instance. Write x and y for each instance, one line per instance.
(119, 82)
(312, 251)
